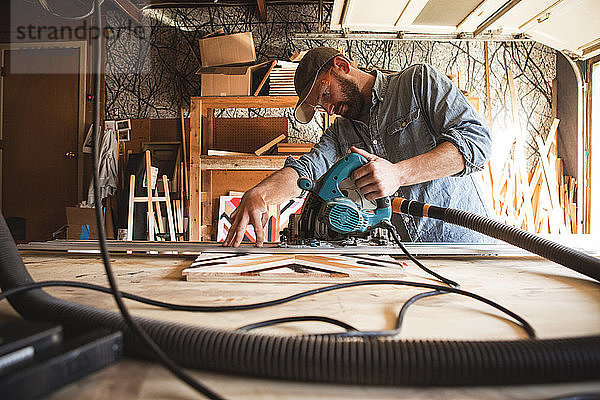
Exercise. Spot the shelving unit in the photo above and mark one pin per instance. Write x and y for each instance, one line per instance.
(201, 139)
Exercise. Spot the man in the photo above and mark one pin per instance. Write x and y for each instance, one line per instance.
(419, 133)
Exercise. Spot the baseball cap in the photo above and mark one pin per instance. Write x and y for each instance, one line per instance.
(305, 78)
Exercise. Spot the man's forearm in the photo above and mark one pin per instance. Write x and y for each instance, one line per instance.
(444, 160)
(279, 187)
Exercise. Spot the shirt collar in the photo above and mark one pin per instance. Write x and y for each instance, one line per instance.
(379, 87)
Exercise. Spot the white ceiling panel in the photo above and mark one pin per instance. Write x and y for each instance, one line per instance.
(367, 15)
(437, 12)
(572, 25)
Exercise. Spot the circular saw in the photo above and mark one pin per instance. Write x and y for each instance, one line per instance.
(334, 208)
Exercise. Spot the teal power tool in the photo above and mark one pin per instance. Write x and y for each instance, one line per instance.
(329, 214)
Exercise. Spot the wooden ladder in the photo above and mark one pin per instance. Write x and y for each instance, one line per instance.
(151, 200)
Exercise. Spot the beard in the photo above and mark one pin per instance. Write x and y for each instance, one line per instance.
(352, 98)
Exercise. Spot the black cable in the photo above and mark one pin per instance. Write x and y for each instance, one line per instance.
(409, 302)
(133, 326)
(36, 285)
(276, 321)
(392, 230)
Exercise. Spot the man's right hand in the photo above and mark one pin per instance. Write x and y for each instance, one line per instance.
(251, 211)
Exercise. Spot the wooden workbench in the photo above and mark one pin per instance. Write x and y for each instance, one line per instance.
(557, 303)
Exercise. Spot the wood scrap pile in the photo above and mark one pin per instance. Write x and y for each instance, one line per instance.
(541, 200)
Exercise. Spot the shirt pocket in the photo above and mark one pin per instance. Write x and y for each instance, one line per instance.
(411, 134)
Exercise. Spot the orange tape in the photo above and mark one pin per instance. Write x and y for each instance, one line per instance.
(396, 203)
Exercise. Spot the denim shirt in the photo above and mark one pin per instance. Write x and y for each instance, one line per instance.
(411, 113)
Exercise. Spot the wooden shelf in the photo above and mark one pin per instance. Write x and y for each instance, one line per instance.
(242, 162)
(246, 102)
(202, 110)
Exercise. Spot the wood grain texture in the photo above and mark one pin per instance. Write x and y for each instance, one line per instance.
(291, 268)
(556, 301)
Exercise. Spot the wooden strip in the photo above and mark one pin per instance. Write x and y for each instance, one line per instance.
(145, 199)
(195, 187)
(226, 153)
(262, 10)
(179, 212)
(131, 205)
(283, 268)
(263, 149)
(149, 193)
(183, 203)
(488, 99)
(552, 187)
(169, 209)
(262, 163)
(265, 77)
(247, 101)
(161, 225)
(573, 213)
(185, 183)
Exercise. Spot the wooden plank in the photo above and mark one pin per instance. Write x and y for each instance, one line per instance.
(290, 268)
(263, 149)
(247, 101)
(266, 75)
(262, 10)
(185, 183)
(131, 206)
(222, 153)
(149, 194)
(251, 162)
(161, 225)
(144, 199)
(488, 96)
(552, 187)
(195, 184)
(169, 209)
(209, 127)
(573, 213)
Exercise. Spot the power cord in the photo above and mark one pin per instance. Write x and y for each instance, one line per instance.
(392, 229)
(276, 321)
(253, 306)
(131, 324)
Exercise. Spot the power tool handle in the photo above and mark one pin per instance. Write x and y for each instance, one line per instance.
(383, 202)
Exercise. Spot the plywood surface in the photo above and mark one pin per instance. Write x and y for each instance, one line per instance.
(291, 268)
(555, 301)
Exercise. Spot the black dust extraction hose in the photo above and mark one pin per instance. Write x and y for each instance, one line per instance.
(570, 258)
(352, 360)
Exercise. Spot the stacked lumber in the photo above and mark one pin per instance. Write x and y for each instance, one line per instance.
(294, 148)
(281, 79)
(541, 200)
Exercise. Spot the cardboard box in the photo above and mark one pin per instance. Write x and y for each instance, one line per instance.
(81, 223)
(227, 49)
(242, 80)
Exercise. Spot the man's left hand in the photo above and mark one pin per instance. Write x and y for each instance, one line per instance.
(377, 178)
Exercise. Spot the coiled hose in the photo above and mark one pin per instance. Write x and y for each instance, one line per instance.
(321, 358)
